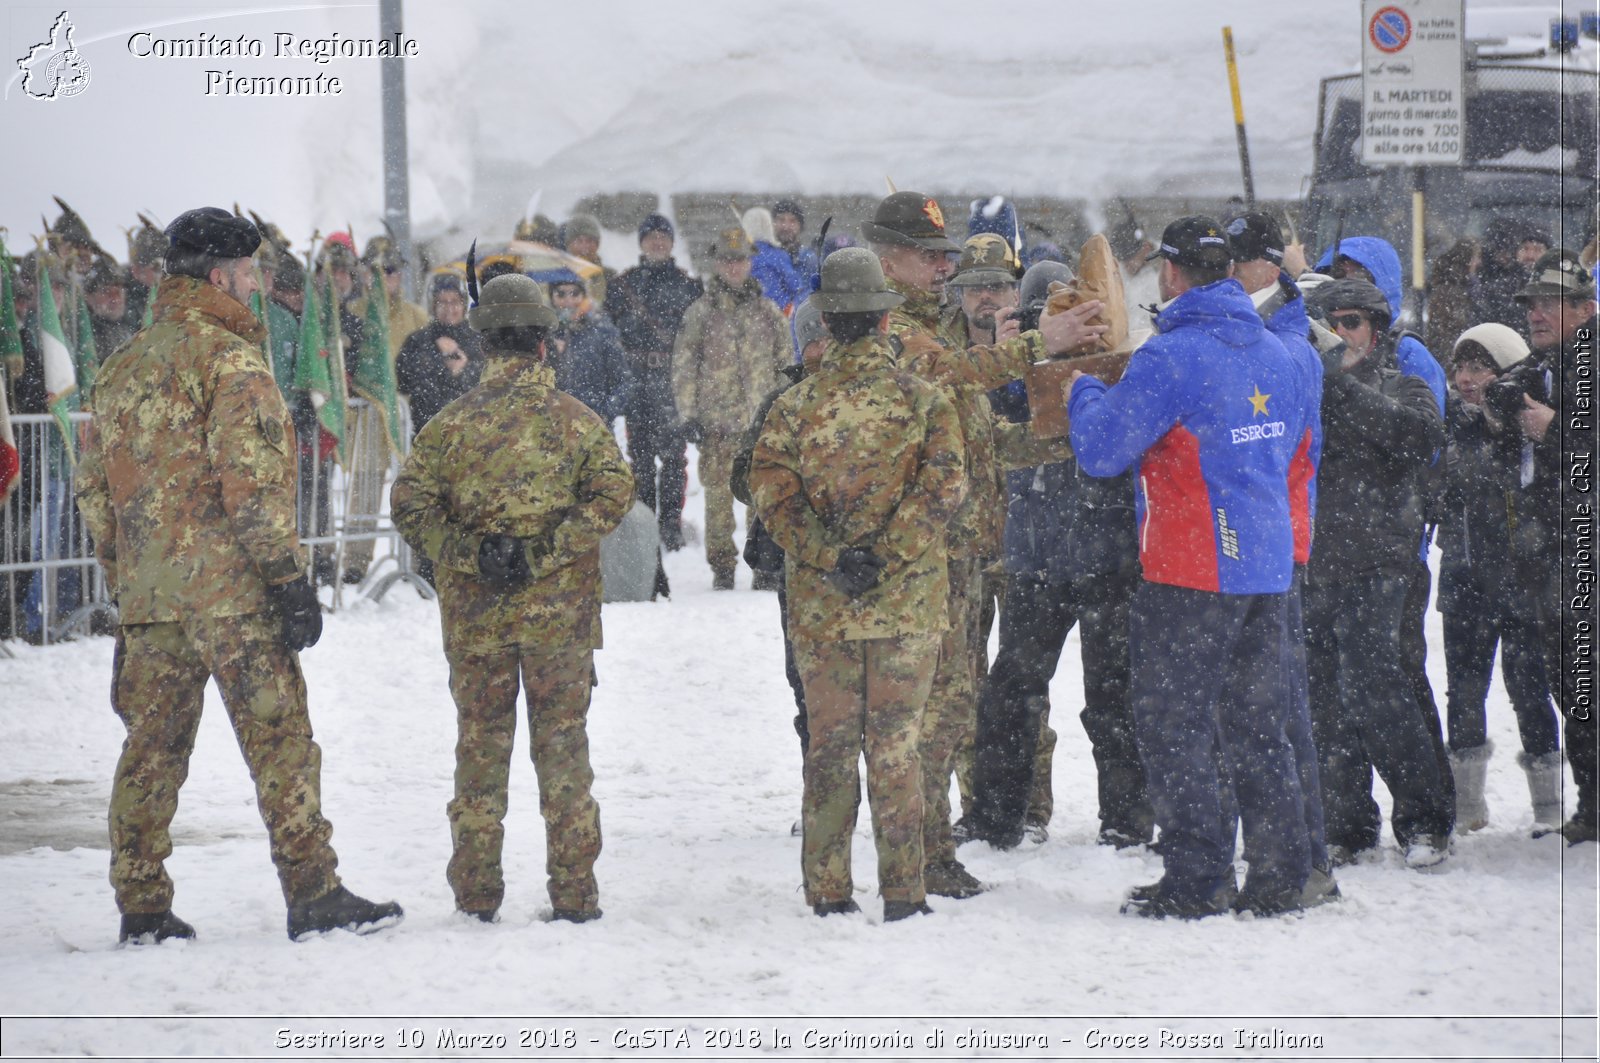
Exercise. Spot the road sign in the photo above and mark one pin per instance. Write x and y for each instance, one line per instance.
(1412, 103)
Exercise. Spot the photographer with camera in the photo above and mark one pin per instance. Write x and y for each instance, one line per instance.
(1551, 429)
(1381, 428)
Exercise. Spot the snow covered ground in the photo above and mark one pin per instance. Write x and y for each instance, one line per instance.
(698, 777)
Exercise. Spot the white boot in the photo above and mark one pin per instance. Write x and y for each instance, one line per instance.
(1471, 767)
(1544, 786)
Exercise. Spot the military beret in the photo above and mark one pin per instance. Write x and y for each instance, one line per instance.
(213, 231)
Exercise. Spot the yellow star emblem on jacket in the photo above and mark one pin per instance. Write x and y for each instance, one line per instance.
(1258, 402)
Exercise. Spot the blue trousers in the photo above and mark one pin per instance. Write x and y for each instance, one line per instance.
(1210, 676)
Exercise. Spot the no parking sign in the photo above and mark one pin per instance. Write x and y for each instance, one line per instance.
(1411, 81)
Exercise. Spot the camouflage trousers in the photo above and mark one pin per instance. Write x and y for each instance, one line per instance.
(717, 451)
(985, 611)
(952, 714)
(157, 689)
(864, 695)
(557, 685)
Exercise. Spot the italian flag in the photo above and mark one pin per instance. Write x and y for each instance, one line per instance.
(60, 379)
(11, 359)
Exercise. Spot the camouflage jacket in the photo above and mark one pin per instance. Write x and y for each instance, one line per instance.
(733, 344)
(1015, 445)
(188, 482)
(514, 456)
(861, 454)
(933, 350)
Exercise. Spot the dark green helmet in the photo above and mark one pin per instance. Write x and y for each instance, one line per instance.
(852, 282)
(511, 301)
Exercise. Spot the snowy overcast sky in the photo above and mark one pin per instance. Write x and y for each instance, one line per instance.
(511, 99)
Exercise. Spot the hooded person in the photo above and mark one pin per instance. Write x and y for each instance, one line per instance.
(1381, 431)
(770, 264)
(1373, 259)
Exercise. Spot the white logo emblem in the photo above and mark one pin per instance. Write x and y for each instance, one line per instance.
(54, 68)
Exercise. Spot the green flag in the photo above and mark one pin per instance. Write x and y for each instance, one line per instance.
(87, 359)
(315, 371)
(10, 330)
(374, 375)
(60, 379)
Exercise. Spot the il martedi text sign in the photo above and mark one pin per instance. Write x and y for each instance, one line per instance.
(1412, 107)
(297, 57)
(764, 1038)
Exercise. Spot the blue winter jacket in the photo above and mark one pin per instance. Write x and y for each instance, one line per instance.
(1286, 319)
(1379, 259)
(1206, 411)
(779, 280)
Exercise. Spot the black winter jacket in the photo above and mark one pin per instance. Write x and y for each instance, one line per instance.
(647, 304)
(1381, 429)
(421, 374)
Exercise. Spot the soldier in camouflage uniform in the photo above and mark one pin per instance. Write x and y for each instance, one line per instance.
(729, 355)
(509, 490)
(907, 233)
(188, 488)
(855, 474)
(986, 287)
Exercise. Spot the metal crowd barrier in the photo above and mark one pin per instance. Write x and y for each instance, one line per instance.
(51, 587)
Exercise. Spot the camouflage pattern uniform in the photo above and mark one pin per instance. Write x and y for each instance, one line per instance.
(931, 349)
(728, 357)
(188, 488)
(860, 455)
(516, 456)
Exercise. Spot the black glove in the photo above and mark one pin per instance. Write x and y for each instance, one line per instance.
(502, 561)
(693, 432)
(857, 571)
(297, 606)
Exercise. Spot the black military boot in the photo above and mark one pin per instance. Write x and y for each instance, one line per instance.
(1166, 905)
(950, 878)
(339, 909)
(894, 911)
(153, 929)
(575, 915)
(844, 907)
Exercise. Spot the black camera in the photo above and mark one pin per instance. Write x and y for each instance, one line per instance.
(1504, 396)
(1027, 317)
